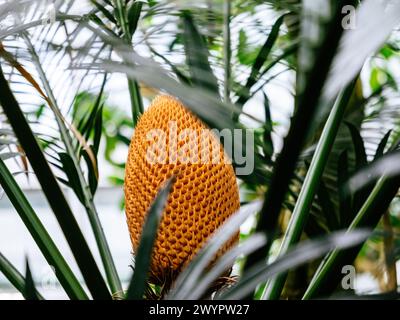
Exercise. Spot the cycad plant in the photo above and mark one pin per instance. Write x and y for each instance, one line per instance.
(324, 174)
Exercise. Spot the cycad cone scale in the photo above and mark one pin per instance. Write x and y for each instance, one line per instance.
(204, 194)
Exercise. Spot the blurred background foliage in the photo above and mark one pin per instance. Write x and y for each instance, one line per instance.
(277, 68)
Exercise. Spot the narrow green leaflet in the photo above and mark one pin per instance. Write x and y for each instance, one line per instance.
(53, 193)
(305, 252)
(188, 278)
(260, 60)
(13, 275)
(197, 56)
(328, 274)
(45, 243)
(143, 257)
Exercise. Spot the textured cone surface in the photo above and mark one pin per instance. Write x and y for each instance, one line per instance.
(203, 196)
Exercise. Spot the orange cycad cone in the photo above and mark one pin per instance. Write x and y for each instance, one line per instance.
(203, 196)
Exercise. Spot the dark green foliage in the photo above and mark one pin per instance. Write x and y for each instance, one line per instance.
(329, 175)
